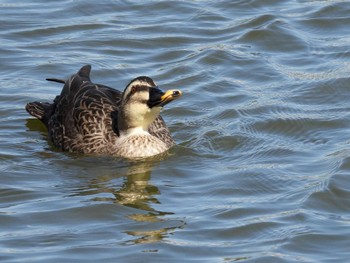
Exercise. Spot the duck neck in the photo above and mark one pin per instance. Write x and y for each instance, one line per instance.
(130, 123)
(128, 127)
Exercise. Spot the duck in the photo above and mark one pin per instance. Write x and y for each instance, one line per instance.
(91, 118)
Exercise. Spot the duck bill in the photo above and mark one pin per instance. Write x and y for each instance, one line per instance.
(170, 95)
(159, 99)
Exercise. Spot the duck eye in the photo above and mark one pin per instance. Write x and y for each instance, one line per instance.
(133, 90)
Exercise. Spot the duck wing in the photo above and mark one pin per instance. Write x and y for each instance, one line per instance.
(79, 119)
(83, 115)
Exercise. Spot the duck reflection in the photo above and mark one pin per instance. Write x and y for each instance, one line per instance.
(137, 192)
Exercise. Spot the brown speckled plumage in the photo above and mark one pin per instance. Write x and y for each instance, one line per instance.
(84, 118)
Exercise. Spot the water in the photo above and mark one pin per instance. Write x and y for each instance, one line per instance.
(261, 169)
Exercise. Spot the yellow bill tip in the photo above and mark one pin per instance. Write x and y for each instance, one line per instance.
(171, 95)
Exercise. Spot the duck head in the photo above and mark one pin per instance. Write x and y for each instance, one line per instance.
(142, 102)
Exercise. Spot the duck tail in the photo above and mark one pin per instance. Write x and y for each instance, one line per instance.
(56, 80)
(39, 110)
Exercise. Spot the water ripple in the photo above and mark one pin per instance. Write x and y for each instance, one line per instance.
(260, 169)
